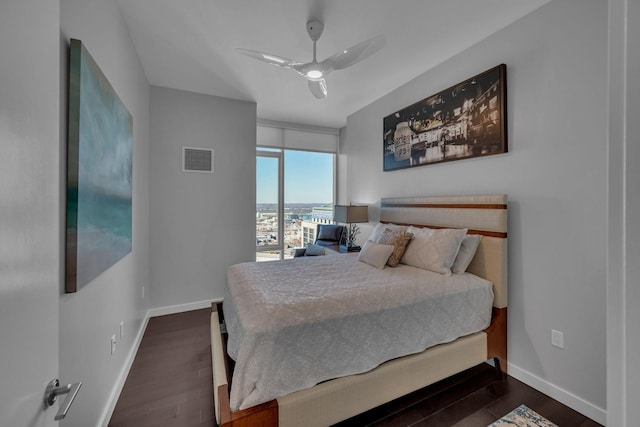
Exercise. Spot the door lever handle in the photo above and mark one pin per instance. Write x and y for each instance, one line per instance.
(54, 389)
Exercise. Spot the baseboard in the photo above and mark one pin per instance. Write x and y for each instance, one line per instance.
(576, 403)
(124, 373)
(181, 308)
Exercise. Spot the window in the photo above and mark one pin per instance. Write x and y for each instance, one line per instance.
(294, 192)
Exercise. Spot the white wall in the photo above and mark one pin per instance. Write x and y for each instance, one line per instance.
(555, 175)
(89, 317)
(199, 223)
(29, 209)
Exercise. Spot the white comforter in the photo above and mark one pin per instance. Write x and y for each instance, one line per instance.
(298, 322)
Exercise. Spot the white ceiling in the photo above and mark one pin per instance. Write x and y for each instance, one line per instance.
(190, 45)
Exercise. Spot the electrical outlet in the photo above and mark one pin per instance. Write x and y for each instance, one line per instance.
(557, 338)
(121, 330)
(142, 292)
(113, 343)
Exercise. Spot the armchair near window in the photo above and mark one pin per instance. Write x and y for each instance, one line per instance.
(328, 237)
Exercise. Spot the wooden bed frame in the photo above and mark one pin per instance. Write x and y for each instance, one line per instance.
(336, 400)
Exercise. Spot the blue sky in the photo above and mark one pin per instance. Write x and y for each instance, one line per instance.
(307, 178)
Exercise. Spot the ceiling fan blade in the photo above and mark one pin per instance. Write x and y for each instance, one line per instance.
(268, 58)
(350, 56)
(318, 88)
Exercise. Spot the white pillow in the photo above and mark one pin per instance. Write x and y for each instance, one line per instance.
(375, 254)
(466, 253)
(433, 249)
(380, 227)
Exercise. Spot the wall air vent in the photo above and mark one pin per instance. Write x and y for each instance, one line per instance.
(197, 159)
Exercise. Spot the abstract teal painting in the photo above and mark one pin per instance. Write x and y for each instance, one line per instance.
(99, 172)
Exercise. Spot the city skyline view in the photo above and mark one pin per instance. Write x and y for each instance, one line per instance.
(308, 181)
(308, 178)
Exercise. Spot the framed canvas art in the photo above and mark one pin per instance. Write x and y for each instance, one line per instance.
(466, 120)
(99, 172)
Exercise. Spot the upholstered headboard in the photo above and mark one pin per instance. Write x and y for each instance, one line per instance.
(484, 214)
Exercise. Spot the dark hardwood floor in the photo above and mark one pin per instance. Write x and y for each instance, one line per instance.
(170, 385)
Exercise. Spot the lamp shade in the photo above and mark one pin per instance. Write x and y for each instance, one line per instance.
(350, 214)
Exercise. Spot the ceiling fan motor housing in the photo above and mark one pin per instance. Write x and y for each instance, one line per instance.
(314, 29)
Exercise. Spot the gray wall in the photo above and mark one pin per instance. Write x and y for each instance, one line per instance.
(623, 292)
(555, 175)
(89, 317)
(199, 223)
(632, 231)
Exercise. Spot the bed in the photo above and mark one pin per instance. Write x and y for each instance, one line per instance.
(315, 399)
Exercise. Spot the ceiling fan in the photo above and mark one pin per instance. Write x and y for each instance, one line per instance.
(314, 71)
